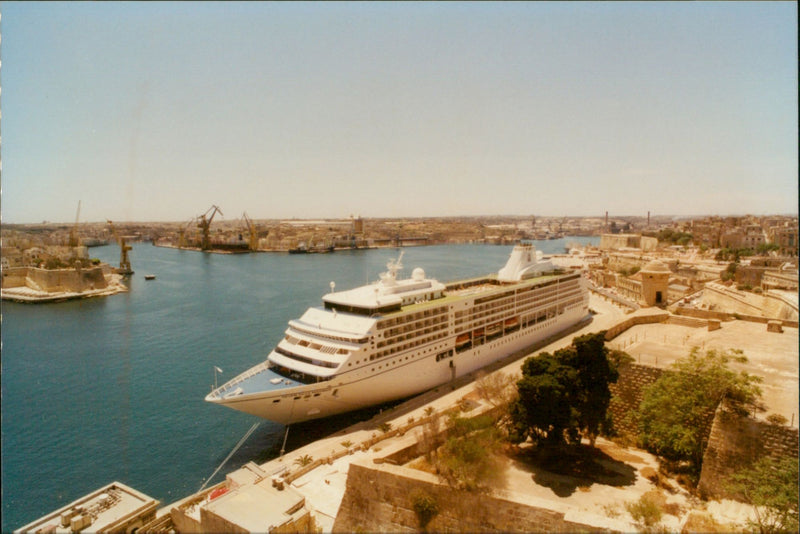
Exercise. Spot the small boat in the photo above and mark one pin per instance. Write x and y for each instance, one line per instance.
(149, 277)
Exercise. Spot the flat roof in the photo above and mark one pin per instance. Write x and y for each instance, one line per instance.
(107, 506)
(257, 507)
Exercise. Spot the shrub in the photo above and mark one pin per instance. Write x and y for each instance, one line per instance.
(425, 506)
(770, 487)
(304, 460)
(646, 512)
(776, 419)
(469, 458)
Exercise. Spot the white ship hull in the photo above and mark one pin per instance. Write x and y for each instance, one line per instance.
(387, 342)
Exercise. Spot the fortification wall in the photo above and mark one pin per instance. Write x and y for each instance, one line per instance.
(69, 279)
(382, 500)
(743, 302)
(56, 280)
(724, 316)
(627, 394)
(737, 441)
(14, 277)
(646, 318)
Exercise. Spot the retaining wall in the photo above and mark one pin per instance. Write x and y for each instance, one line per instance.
(382, 500)
(647, 318)
(736, 442)
(627, 394)
(723, 316)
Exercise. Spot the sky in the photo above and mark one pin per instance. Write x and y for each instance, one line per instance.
(155, 111)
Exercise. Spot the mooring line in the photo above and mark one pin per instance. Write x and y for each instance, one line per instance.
(236, 448)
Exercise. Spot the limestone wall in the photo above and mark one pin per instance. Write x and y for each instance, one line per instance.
(627, 394)
(650, 317)
(745, 303)
(14, 277)
(56, 280)
(724, 316)
(737, 441)
(382, 500)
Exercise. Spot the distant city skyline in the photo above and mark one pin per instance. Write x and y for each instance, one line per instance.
(155, 111)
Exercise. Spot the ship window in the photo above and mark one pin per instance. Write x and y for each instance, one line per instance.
(276, 400)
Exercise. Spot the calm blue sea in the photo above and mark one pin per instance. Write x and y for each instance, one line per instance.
(109, 389)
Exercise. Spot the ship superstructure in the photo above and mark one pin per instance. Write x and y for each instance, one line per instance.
(394, 338)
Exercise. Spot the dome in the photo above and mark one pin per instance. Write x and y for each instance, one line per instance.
(418, 274)
(655, 266)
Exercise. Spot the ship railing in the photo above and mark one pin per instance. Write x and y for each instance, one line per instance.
(228, 386)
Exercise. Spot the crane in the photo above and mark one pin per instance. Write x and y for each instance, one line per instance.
(182, 233)
(74, 241)
(124, 261)
(204, 225)
(251, 227)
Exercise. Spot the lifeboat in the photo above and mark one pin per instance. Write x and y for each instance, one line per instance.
(514, 321)
(461, 340)
(219, 492)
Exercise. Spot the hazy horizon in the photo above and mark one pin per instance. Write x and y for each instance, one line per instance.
(152, 112)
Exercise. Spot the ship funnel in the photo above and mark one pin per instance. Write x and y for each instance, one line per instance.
(524, 262)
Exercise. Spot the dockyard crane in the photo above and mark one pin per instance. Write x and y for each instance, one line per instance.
(205, 223)
(182, 233)
(73, 234)
(251, 227)
(124, 261)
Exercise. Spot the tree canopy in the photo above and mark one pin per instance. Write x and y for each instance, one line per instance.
(677, 409)
(770, 487)
(564, 396)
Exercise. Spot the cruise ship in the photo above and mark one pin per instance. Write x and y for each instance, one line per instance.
(395, 338)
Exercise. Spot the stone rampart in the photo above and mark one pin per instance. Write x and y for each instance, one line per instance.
(627, 394)
(723, 316)
(56, 280)
(382, 500)
(645, 318)
(72, 280)
(14, 277)
(736, 442)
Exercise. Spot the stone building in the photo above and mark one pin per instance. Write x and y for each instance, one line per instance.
(655, 283)
(623, 241)
(786, 239)
(649, 286)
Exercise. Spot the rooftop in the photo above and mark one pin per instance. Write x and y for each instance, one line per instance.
(110, 508)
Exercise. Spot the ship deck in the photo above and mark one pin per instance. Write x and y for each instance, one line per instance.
(458, 290)
(259, 379)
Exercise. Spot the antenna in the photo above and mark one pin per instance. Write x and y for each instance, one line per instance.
(392, 267)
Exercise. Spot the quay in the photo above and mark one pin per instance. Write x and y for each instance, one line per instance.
(317, 487)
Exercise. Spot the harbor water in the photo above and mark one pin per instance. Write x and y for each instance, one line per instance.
(112, 388)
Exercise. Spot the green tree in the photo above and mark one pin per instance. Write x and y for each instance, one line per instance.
(676, 409)
(589, 356)
(565, 395)
(542, 411)
(304, 460)
(469, 458)
(770, 487)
